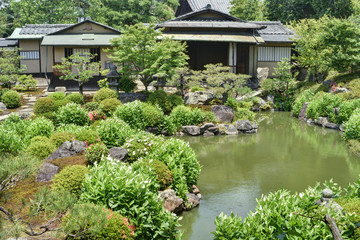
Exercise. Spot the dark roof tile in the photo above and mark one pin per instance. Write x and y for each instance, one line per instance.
(42, 29)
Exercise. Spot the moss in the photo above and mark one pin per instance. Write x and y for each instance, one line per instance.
(69, 161)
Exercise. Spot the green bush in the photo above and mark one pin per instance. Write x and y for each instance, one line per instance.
(354, 146)
(304, 97)
(346, 109)
(91, 106)
(175, 100)
(322, 106)
(96, 115)
(104, 93)
(352, 127)
(160, 98)
(197, 89)
(70, 179)
(127, 84)
(72, 128)
(40, 147)
(182, 116)
(231, 102)
(116, 227)
(244, 114)
(11, 141)
(2, 91)
(141, 144)
(109, 105)
(57, 96)
(59, 138)
(72, 113)
(11, 99)
(75, 98)
(94, 153)
(39, 127)
(61, 103)
(113, 132)
(26, 83)
(44, 105)
(209, 116)
(168, 125)
(136, 197)
(88, 136)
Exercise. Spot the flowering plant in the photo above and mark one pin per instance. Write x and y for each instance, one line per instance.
(334, 86)
(96, 115)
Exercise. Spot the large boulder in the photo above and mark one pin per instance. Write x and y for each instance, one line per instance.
(261, 105)
(191, 130)
(198, 98)
(192, 201)
(171, 202)
(118, 153)
(47, 172)
(223, 113)
(227, 129)
(2, 106)
(262, 74)
(209, 127)
(245, 126)
(302, 114)
(324, 122)
(67, 149)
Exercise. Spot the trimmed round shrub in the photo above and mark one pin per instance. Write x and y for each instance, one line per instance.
(91, 106)
(182, 116)
(244, 114)
(75, 98)
(57, 96)
(11, 99)
(44, 105)
(94, 153)
(72, 128)
(160, 98)
(39, 127)
(40, 147)
(104, 93)
(352, 126)
(158, 170)
(113, 132)
(59, 138)
(88, 136)
(61, 103)
(116, 227)
(109, 105)
(72, 113)
(70, 179)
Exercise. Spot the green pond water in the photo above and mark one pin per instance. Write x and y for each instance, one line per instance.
(285, 153)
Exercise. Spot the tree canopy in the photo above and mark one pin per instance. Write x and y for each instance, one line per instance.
(250, 10)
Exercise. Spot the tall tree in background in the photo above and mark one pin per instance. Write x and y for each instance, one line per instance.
(250, 10)
(3, 24)
(334, 8)
(288, 10)
(117, 13)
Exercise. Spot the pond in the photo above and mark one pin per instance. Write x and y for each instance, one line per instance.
(285, 153)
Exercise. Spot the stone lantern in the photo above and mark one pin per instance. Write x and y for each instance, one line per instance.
(113, 78)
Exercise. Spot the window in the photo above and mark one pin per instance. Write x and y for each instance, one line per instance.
(85, 52)
(96, 53)
(68, 52)
(273, 54)
(82, 51)
(108, 64)
(29, 55)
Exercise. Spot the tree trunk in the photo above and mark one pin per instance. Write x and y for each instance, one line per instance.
(81, 88)
(333, 227)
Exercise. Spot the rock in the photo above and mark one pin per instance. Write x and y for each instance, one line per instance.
(192, 201)
(336, 111)
(253, 94)
(341, 127)
(206, 126)
(171, 202)
(262, 105)
(245, 126)
(310, 121)
(341, 90)
(207, 133)
(191, 130)
(199, 195)
(214, 130)
(331, 125)
(24, 115)
(195, 189)
(302, 114)
(180, 134)
(270, 99)
(328, 82)
(153, 130)
(47, 172)
(327, 193)
(67, 149)
(227, 129)
(321, 121)
(2, 106)
(223, 113)
(118, 153)
(198, 98)
(60, 89)
(130, 97)
(262, 74)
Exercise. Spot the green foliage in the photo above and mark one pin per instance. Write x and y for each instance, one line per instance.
(57, 96)
(135, 197)
(161, 99)
(127, 84)
(9, 67)
(25, 83)
(244, 114)
(141, 144)
(354, 146)
(59, 138)
(2, 91)
(249, 10)
(94, 153)
(44, 105)
(117, 227)
(139, 115)
(183, 116)
(140, 54)
(303, 97)
(40, 147)
(233, 103)
(352, 126)
(197, 89)
(91, 106)
(175, 100)
(11, 141)
(72, 113)
(88, 136)
(108, 106)
(104, 93)
(70, 179)
(39, 127)
(209, 116)
(113, 132)
(60, 103)
(103, 83)
(346, 108)
(168, 125)
(322, 106)
(11, 99)
(75, 98)
(72, 128)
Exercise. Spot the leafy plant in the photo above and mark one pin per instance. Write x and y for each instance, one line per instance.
(94, 153)
(352, 126)
(346, 108)
(303, 97)
(91, 106)
(113, 132)
(72, 113)
(104, 93)
(108, 106)
(244, 114)
(11, 99)
(161, 99)
(88, 136)
(44, 105)
(57, 96)
(59, 138)
(26, 83)
(40, 147)
(75, 98)
(70, 179)
(39, 127)
(182, 116)
(322, 106)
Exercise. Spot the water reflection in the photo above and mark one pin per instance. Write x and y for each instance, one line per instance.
(285, 153)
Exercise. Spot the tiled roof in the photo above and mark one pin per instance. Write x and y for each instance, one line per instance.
(275, 31)
(42, 29)
(221, 5)
(8, 43)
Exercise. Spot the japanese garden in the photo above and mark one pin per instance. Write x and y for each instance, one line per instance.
(190, 119)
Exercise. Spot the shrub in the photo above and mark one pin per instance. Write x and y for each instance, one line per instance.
(175, 100)
(209, 116)
(113, 132)
(91, 106)
(346, 109)
(168, 125)
(246, 104)
(70, 179)
(59, 138)
(72, 128)
(94, 153)
(11, 99)
(244, 114)
(76, 98)
(72, 113)
(231, 102)
(196, 117)
(160, 98)
(61, 103)
(39, 127)
(57, 96)
(352, 127)
(305, 96)
(40, 147)
(141, 144)
(354, 146)
(182, 116)
(108, 106)
(44, 105)
(104, 93)
(88, 136)
(197, 89)
(322, 106)
(25, 83)
(109, 184)
(116, 227)
(139, 115)
(2, 91)
(11, 141)
(96, 115)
